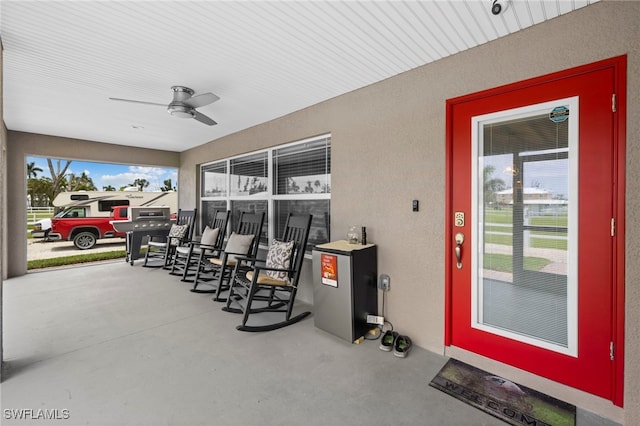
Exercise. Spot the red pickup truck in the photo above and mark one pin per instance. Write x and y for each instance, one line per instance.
(85, 231)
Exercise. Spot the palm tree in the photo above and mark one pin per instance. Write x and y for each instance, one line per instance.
(167, 186)
(32, 174)
(81, 183)
(491, 185)
(108, 188)
(140, 183)
(32, 170)
(58, 181)
(309, 187)
(40, 192)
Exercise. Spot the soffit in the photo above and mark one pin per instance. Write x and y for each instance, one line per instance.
(63, 60)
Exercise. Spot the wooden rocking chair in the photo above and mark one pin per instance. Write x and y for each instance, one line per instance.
(180, 232)
(185, 258)
(215, 271)
(272, 283)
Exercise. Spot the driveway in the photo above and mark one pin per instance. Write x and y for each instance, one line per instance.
(40, 249)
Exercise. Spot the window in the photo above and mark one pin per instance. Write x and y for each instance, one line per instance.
(293, 178)
(72, 212)
(249, 175)
(107, 205)
(122, 213)
(319, 232)
(214, 180)
(302, 169)
(208, 210)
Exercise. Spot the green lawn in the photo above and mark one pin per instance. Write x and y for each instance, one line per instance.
(505, 217)
(549, 243)
(498, 216)
(559, 221)
(503, 239)
(504, 262)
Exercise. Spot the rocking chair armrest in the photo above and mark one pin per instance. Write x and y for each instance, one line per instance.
(264, 267)
(241, 256)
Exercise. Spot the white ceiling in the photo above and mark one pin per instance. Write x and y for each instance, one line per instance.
(63, 60)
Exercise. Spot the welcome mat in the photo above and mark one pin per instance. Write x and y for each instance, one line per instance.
(508, 401)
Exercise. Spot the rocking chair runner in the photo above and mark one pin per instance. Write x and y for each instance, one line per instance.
(180, 232)
(185, 258)
(272, 282)
(215, 271)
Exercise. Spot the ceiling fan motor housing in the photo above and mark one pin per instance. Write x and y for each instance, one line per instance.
(178, 107)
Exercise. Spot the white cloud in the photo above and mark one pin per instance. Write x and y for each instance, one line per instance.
(116, 175)
(148, 171)
(154, 175)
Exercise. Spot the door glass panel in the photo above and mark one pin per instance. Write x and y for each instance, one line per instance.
(525, 200)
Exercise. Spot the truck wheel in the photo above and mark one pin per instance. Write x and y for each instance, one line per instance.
(85, 240)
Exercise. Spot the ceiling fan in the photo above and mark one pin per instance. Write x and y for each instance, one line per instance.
(184, 104)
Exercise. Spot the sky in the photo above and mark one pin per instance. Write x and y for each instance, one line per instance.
(550, 175)
(116, 175)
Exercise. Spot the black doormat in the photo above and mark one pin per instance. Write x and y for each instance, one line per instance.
(508, 401)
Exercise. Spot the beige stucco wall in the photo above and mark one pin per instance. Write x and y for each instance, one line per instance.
(3, 195)
(21, 145)
(388, 148)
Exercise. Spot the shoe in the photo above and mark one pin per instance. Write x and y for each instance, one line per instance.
(402, 346)
(388, 339)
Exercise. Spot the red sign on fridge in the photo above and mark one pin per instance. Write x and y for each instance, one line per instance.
(329, 269)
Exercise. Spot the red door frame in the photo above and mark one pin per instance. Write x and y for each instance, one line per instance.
(619, 65)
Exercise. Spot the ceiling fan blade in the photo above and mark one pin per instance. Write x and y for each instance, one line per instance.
(204, 119)
(201, 100)
(137, 102)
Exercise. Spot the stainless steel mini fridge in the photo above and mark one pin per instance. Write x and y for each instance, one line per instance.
(344, 288)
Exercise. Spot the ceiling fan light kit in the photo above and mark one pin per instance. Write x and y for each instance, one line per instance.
(180, 111)
(184, 104)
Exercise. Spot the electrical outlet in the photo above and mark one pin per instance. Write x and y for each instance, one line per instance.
(384, 283)
(374, 319)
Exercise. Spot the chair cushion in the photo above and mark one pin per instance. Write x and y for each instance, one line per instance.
(209, 236)
(158, 244)
(279, 256)
(264, 279)
(238, 244)
(177, 233)
(218, 261)
(184, 250)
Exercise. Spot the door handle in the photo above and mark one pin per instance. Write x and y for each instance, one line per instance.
(459, 240)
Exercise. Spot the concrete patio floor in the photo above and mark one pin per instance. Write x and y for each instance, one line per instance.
(113, 344)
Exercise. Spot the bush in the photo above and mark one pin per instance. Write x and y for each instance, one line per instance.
(75, 259)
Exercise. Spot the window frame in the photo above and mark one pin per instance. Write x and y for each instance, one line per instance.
(269, 196)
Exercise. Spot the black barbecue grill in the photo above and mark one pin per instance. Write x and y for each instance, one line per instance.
(143, 222)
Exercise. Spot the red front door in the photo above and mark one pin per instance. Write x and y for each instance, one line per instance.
(533, 208)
